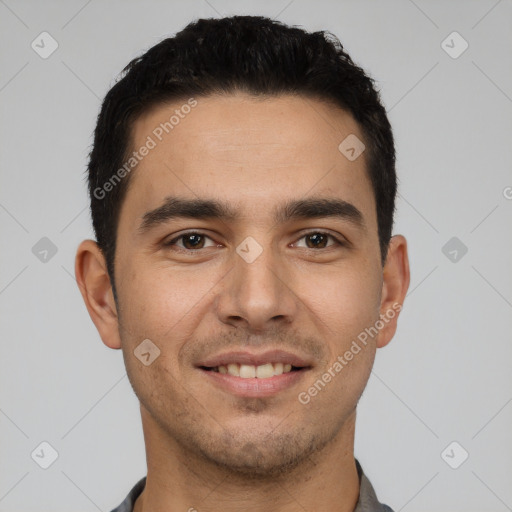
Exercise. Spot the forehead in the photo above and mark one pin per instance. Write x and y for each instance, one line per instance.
(254, 151)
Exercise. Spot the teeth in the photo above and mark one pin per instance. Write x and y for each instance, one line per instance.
(265, 371)
(234, 369)
(247, 371)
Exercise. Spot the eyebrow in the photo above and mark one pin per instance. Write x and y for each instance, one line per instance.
(312, 208)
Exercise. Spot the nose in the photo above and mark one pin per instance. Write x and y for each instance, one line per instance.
(257, 295)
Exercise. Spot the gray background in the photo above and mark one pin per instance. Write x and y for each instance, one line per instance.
(446, 375)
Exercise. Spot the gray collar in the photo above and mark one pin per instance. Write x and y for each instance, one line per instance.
(368, 501)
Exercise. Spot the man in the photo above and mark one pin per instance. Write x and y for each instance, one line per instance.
(242, 183)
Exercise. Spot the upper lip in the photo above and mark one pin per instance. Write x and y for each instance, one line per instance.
(244, 357)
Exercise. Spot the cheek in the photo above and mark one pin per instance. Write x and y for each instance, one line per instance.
(344, 304)
(162, 303)
(344, 301)
(157, 304)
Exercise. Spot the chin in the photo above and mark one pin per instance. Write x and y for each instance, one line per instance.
(266, 457)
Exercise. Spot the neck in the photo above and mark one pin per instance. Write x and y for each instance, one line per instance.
(178, 480)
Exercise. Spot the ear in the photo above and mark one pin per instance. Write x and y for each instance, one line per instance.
(96, 289)
(396, 277)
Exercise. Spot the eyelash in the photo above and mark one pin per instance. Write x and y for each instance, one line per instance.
(172, 242)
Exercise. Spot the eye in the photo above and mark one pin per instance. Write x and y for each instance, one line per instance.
(194, 241)
(319, 240)
(190, 241)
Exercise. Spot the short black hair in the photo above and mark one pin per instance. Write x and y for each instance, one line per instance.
(252, 54)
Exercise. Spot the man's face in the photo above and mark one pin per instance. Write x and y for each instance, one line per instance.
(212, 298)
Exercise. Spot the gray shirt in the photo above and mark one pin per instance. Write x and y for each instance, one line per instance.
(367, 501)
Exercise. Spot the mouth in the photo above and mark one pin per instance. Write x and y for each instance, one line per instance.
(247, 371)
(249, 375)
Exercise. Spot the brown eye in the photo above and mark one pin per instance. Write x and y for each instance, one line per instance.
(316, 240)
(193, 241)
(319, 240)
(189, 241)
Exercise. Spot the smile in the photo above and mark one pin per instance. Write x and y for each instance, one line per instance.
(247, 371)
(250, 375)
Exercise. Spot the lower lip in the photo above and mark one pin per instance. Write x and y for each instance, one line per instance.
(254, 387)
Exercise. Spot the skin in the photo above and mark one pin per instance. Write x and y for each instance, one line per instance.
(206, 448)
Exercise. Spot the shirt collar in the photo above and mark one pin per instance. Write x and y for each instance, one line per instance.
(368, 501)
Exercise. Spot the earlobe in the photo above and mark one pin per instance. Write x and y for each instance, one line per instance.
(396, 278)
(96, 289)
